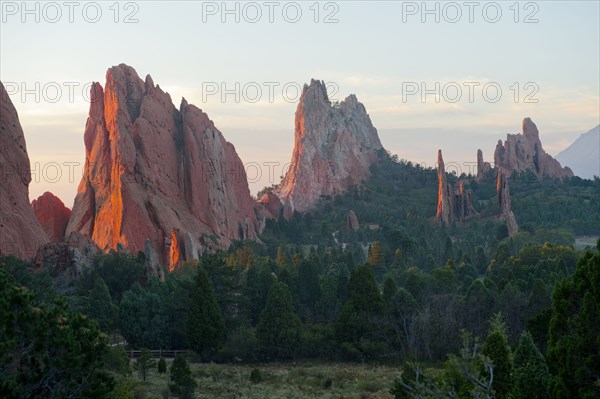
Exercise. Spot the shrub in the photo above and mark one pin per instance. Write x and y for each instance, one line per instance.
(255, 376)
(162, 366)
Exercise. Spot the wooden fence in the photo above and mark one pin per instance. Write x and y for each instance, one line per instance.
(157, 354)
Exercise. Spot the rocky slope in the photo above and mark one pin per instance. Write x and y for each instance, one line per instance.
(156, 172)
(52, 214)
(583, 156)
(524, 151)
(20, 231)
(334, 146)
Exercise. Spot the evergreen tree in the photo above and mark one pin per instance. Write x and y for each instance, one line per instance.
(496, 348)
(100, 305)
(162, 366)
(279, 329)
(357, 325)
(144, 363)
(531, 375)
(389, 289)
(46, 351)
(205, 325)
(143, 318)
(281, 258)
(309, 287)
(182, 383)
(574, 343)
(376, 254)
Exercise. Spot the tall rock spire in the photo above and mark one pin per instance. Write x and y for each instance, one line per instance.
(334, 147)
(521, 152)
(152, 169)
(453, 204)
(445, 197)
(503, 196)
(20, 231)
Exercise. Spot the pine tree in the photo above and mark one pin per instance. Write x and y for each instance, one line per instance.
(47, 351)
(279, 329)
(281, 258)
(144, 363)
(162, 366)
(376, 255)
(205, 325)
(100, 305)
(573, 345)
(531, 375)
(182, 383)
(389, 289)
(496, 348)
(358, 322)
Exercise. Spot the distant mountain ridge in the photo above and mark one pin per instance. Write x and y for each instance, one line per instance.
(583, 155)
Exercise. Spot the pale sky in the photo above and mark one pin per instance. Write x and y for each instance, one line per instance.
(387, 53)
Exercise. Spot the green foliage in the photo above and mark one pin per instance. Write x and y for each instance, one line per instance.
(117, 361)
(120, 271)
(46, 351)
(357, 325)
(144, 363)
(279, 329)
(255, 376)
(468, 375)
(100, 306)
(389, 289)
(182, 383)
(496, 348)
(205, 326)
(143, 319)
(162, 365)
(574, 343)
(531, 375)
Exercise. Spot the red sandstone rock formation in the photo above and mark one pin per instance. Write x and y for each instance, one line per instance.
(351, 221)
(445, 196)
(334, 146)
(272, 204)
(482, 167)
(152, 169)
(52, 214)
(503, 195)
(20, 231)
(524, 151)
(453, 204)
(71, 258)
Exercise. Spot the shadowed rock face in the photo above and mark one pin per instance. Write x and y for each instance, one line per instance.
(453, 205)
(524, 151)
(334, 146)
(351, 221)
(153, 171)
(20, 231)
(71, 258)
(503, 194)
(52, 214)
(482, 167)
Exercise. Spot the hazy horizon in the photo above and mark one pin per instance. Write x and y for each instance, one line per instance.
(556, 66)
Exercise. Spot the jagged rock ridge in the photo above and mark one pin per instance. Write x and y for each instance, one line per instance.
(503, 194)
(52, 214)
(334, 147)
(156, 172)
(20, 231)
(453, 204)
(521, 152)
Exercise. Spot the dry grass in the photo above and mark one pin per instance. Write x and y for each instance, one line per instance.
(286, 381)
